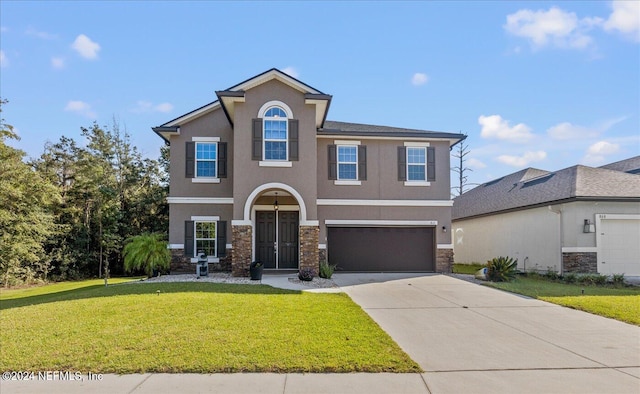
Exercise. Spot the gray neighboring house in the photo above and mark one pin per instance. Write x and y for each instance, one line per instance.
(579, 219)
(260, 174)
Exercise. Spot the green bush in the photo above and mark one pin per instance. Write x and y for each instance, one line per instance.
(570, 278)
(592, 279)
(326, 270)
(551, 274)
(147, 252)
(617, 279)
(501, 269)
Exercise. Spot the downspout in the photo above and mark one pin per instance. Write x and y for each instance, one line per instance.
(559, 212)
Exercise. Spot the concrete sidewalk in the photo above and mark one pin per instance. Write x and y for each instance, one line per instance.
(468, 339)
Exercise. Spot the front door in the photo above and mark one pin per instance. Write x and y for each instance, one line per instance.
(277, 239)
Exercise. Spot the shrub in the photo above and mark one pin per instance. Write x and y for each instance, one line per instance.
(501, 269)
(326, 270)
(146, 252)
(306, 274)
(571, 277)
(592, 279)
(551, 274)
(617, 279)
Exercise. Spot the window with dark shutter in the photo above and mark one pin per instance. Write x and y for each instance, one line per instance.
(362, 162)
(256, 151)
(333, 162)
(431, 163)
(221, 239)
(293, 139)
(189, 239)
(190, 160)
(402, 163)
(222, 159)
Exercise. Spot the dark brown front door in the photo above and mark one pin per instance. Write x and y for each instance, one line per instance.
(286, 235)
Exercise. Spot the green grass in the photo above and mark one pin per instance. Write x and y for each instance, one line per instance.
(470, 269)
(617, 303)
(191, 327)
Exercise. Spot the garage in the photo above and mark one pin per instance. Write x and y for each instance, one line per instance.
(618, 246)
(382, 249)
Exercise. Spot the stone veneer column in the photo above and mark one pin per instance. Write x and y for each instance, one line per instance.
(309, 236)
(444, 260)
(241, 237)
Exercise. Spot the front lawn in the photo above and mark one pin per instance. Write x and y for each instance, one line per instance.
(469, 269)
(617, 303)
(193, 327)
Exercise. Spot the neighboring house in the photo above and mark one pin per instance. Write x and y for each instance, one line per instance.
(259, 174)
(579, 219)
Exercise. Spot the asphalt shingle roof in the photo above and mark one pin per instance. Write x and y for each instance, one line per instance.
(346, 128)
(532, 187)
(631, 165)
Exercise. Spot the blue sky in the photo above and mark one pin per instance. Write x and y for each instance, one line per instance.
(533, 84)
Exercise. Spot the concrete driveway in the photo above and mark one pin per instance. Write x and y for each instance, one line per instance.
(471, 338)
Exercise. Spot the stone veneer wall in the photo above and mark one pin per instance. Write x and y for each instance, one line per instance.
(322, 256)
(181, 264)
(444, 260)
(580, 262)
(241, 236)
(309, 247)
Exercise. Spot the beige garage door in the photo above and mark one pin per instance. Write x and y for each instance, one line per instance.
(619, 245)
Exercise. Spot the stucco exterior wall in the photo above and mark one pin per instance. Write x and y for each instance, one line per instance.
(213, 124)
(575, 213)
(179, 213)
(248, 174)
(532, 236)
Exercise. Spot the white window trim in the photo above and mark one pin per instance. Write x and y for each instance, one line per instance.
(346, 142)
(338, 165)
(417, 144)
(347, 182)
(205, 219)
(275, 103)
(417, 182)
(206, 179)
(275, 163)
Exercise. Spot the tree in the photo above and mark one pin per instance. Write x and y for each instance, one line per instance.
(26, 221)
(461, 169)
(146, 252)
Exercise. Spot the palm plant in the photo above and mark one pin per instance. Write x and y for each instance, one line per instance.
(501, 269)
(147, 252)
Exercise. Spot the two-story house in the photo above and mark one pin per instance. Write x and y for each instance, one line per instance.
(260, 174)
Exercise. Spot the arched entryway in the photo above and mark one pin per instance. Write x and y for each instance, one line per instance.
(276, 219)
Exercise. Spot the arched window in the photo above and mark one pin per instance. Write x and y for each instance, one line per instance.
(275, 134)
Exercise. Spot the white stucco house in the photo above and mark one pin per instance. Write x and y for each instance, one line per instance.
(579, 219)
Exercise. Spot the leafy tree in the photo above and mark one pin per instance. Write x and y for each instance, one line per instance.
(26, 222)
(146, 252)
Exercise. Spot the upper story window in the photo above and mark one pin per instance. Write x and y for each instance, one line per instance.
(347, 162)
(275, 134)
(206, 159)
(416, 164)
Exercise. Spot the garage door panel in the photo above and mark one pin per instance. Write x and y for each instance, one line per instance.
(382, 248)
(619, 247)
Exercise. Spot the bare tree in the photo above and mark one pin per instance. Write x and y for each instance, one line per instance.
(459, 168)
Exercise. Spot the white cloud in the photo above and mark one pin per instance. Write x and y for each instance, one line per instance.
(596, 154)
(80, 107)
(57, 62)
(419, 79)
(147, 106)
(524, 160)
(475, 163)
(624, 18)
(494, 126)
(4, 61)
(554, 27)
(568, 131)
(291, 71)
(85, 47)
(40, 34)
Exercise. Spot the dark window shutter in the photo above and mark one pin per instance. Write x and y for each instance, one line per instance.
(222, 159)
(362, 162)
(402, 163)
(256, 152)
(190, 162)
(293, 139)
(431, 163)
(221, 239)
(333, 162)
(189, 239)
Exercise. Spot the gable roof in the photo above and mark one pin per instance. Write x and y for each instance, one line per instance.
(630, 165)
(532, 187)
(337, 129)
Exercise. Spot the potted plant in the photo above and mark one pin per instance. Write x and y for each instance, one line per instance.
(255, 270)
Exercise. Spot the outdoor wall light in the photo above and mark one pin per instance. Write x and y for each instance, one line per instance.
(589, 227)
(444, 229)
(275, 203)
